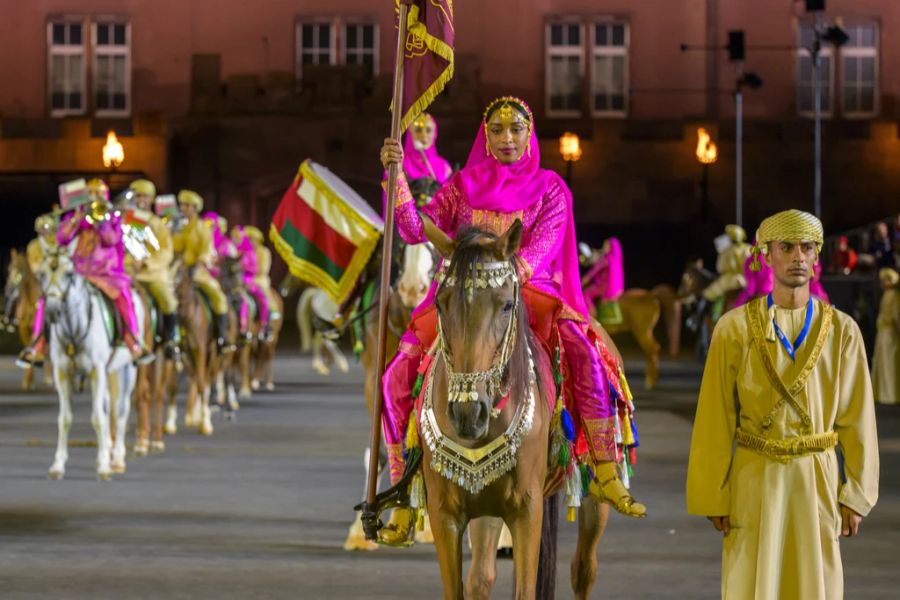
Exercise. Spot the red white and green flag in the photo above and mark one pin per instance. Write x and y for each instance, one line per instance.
(324, 230)
(427, 57)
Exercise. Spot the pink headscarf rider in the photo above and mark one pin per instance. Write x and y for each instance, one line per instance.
(491, 185)
(416, 162)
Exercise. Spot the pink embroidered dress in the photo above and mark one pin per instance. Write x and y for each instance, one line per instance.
(492, 195)
(606, 278)
(246, 249)
(99, 257)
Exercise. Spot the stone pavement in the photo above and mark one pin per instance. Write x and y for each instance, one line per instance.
(260, 509)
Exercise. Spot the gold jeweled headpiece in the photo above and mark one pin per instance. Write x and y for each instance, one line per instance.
(510, 108)
(423, 120)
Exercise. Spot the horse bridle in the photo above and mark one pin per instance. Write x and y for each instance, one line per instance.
(462, 386)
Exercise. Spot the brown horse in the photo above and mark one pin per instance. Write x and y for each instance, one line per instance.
(153, 382)
(641, 310)
(263, 353)
(21, 293)
(200, 357)
(485, 345)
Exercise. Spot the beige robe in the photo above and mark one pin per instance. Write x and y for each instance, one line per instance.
(785, 515)
(886, 364)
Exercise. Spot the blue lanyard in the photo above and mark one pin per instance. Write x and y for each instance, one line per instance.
(792, 348)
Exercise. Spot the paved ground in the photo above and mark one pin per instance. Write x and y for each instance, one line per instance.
(260, 509)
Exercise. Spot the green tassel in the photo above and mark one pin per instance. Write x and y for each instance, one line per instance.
(564, 455)
(358, 348)
(557, 372)
(417, 387)
(585, 480)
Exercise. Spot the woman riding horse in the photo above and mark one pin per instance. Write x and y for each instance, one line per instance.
(503, 182)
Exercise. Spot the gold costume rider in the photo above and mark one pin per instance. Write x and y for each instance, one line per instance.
(194, 243)
(733, 252)
(154, 272)
(36, 253)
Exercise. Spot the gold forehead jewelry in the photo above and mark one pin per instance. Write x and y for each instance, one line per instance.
(423, 120)
(511, 108)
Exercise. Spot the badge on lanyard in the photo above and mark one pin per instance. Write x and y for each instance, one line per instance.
(792, 348)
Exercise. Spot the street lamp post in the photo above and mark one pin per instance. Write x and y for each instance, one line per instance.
(837, 37)
(707, 154)
(570, 148)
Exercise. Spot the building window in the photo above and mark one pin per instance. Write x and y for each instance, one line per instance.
(67, 69)
(564, 69)
(112, 68)
(805, 79)
(361, 46)
(859, 71)
(609, 69)
(315, 45)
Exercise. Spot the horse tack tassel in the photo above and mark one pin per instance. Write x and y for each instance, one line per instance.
(574, 490)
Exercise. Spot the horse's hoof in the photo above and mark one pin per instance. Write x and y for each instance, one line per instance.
(254, 385)
(206, 428)
(189, 421)
(270, 387)
(157, 447)
(57, 473)
(171, 428)
(104, 475)
(118, 468)
(356, 537)
(234, 405)
(245, 394)
(141, 448)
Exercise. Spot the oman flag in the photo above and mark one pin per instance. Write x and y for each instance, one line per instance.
(324, 231)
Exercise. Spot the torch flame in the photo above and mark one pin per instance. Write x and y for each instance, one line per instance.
(113, 152)
(707, 153)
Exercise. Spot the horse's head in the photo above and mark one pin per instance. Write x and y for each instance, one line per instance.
(482, 324)
(694, 280)
(416, 275)
(58, 280)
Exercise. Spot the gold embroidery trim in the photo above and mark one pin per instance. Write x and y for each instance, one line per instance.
(493, 221)
(786, 449)
(788, 393)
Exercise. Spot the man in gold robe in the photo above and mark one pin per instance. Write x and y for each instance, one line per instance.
(886, 363)
(785, 392)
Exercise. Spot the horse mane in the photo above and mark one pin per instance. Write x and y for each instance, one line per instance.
(471, 248)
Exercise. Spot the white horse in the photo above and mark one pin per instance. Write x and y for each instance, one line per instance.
(80, 345)
(415, 278)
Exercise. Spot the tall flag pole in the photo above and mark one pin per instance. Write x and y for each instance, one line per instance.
(424, 65)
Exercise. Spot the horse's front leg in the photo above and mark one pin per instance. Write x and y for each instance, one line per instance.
(525, 526)
(484, 533)
(100, 420)
(121, 389)
(592, 517)
(448, 532)
(63, 378)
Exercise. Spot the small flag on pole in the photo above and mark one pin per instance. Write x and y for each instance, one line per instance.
(325, 231)
(428, 55)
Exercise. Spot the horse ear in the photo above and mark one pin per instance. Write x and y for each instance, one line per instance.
(440, 240)
(508, 244)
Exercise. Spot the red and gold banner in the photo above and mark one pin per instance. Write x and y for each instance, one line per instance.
(428, 55)
(324, 231)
